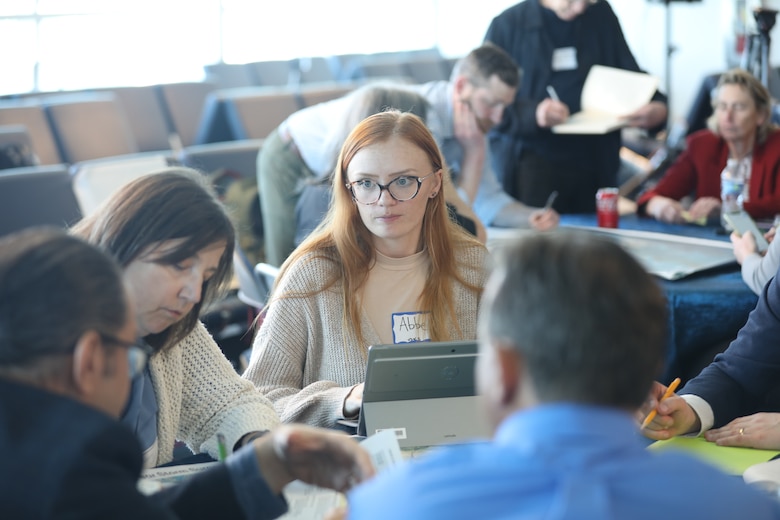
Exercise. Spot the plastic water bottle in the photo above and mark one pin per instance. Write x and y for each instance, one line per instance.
(732, 187)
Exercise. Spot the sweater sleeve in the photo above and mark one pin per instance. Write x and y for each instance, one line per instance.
(300, 358)
(215, 399)
(757, 270)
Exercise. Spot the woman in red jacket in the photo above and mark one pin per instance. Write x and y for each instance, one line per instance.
(739, 128)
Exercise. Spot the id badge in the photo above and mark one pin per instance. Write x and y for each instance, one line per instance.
(564, 58)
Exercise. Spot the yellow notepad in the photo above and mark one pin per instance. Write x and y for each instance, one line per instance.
(728, 459)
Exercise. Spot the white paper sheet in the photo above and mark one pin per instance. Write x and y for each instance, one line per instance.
(608, 96)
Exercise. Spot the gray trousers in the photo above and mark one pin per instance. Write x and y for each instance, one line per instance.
(280, 175)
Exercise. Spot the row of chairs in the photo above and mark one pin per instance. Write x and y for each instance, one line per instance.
(419, 66)
(84, 125)
(77, 127)
(59, 196)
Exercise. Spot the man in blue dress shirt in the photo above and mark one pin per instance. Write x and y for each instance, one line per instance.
(572, 332)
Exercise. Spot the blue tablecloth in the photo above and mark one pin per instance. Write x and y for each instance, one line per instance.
(706, 309)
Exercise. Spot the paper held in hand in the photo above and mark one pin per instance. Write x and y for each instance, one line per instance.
(609, 95)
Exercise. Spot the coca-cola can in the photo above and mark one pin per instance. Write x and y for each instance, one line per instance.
(607, 207)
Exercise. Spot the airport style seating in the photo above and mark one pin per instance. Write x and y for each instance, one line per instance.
(145, 115)
(37, 196)
(183, 104)
(89, 126)
(238, 156)
(29, 113)
(96, 180)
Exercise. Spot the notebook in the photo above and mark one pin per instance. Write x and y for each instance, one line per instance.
(424, 392)
(608, 95)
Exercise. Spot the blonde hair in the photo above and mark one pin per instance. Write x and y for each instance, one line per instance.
(758, 93)
(343, 239)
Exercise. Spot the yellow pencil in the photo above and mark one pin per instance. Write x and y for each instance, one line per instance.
(669, 391)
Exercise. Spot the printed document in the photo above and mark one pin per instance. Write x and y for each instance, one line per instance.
(305, 502)
(608, 96)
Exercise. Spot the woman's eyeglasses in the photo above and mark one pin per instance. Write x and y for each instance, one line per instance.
(367, 191)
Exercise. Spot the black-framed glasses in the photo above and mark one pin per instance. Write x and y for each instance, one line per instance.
(403, 188)
(138, 352)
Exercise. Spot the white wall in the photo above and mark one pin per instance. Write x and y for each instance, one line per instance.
(698, 34)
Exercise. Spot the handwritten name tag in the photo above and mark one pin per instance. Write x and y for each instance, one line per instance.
(410, 326)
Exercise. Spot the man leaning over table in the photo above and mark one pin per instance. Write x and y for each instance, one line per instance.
(68, 350)
(560, 387)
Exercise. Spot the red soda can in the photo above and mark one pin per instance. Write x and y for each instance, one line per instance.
(607, 207)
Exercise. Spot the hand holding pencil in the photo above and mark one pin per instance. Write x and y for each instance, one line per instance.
(667, 415)
(668, 393)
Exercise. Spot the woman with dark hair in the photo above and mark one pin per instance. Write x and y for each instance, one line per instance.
(387, 265)
(68, 354)
(174, 241)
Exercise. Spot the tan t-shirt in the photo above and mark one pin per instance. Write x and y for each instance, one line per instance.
(391, 297)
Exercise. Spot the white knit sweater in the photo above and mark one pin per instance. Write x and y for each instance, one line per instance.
(199, 394)
(306, 362)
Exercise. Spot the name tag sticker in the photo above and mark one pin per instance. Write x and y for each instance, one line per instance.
(410, 327)
(564, 58)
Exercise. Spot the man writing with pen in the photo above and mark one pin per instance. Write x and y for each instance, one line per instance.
(572, 331)
(555, 43)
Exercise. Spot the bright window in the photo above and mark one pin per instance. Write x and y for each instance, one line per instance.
(76, 44)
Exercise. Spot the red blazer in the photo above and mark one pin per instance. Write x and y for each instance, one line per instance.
(697, 171)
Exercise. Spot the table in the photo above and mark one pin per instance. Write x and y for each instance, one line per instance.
(706, 309)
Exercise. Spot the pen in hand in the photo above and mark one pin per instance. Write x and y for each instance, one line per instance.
(551, 92)
(669, 391)
(221, 446)
(550, 200)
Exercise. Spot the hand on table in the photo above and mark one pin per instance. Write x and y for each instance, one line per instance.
(353, 401)
(674, 416)
(665, 209)
(705, 207)
(761, 430)
(317, 456)
(550, 113)
(544, 219)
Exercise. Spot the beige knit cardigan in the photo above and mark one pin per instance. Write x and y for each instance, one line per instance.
(199, 394)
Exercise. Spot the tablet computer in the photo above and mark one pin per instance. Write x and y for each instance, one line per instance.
(424, 392)
(741, 222)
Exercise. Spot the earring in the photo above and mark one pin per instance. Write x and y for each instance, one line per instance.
(433, 195)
